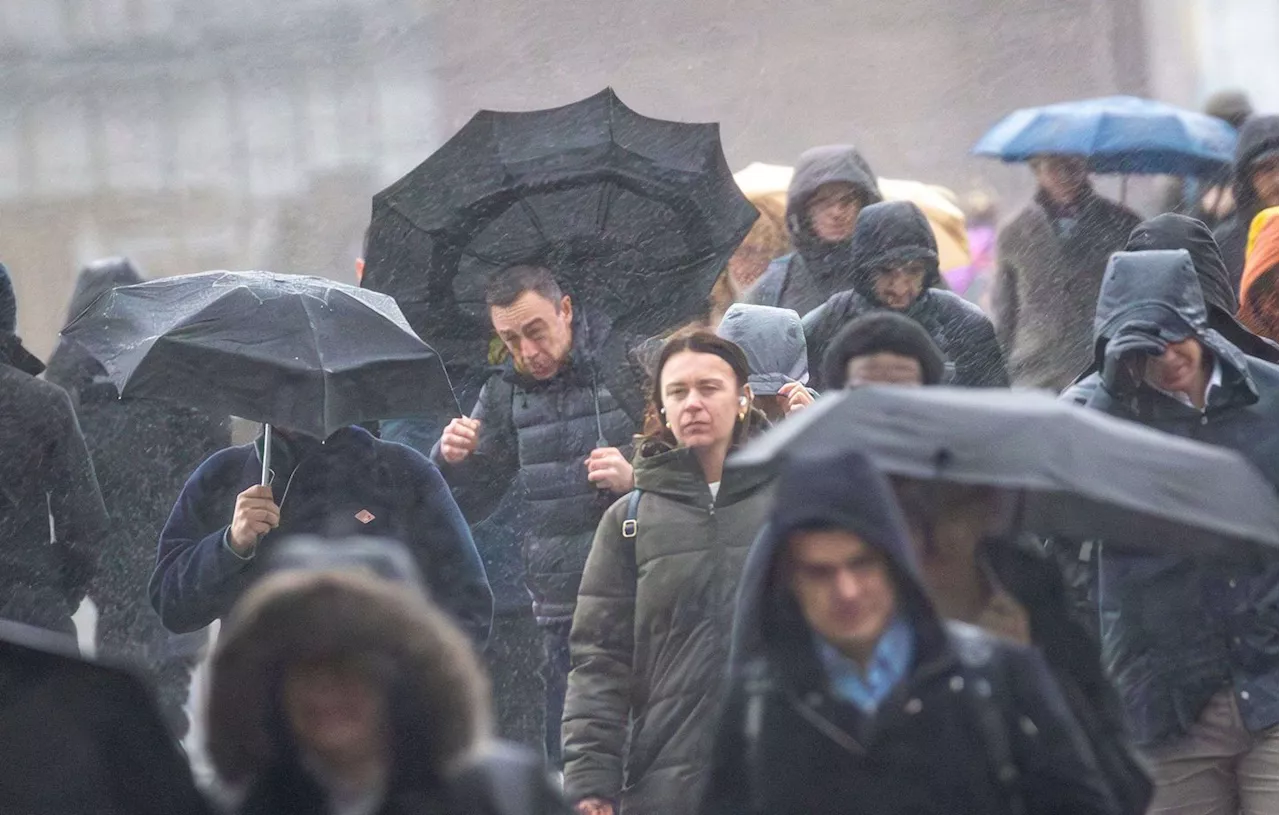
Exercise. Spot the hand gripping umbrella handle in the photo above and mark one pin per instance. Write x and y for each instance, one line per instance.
(266, 454)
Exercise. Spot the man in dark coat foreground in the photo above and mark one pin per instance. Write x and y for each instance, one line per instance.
(1190, 644)
(854, 693)
(895, 267)
(831, 185)
(45, 473)
(348, 484)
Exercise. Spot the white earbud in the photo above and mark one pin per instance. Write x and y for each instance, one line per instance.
(742, 401)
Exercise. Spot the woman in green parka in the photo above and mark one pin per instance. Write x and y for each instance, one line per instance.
(650, 637)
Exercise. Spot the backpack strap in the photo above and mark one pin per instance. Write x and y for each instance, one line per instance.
(629, 529)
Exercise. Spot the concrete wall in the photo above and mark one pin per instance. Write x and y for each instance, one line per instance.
(245, 134)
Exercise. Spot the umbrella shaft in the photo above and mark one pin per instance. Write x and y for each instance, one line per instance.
(266, 454)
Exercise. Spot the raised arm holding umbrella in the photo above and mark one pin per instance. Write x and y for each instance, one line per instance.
(309, 358)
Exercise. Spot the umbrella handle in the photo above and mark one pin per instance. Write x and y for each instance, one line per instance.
(266, 454)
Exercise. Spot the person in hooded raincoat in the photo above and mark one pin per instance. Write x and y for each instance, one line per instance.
(1049, 264)
(337, 690)
(46, 480)
(1256, 185)
(651, 634)
(142, 451)
(895, 261)
(831, 185)
(1171, 232)
(1190, 644)
(773, 341)
(1258, 308)
(850, 693)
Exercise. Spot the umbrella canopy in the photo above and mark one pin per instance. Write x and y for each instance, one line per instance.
(937, 203)
(299, 352)
(1083, 475)
(92, 739)
(635, 216)
(1118, 134)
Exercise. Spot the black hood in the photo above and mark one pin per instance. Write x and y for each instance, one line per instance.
(838, 491)
(97, 279)
(1261, 134)
(1171, 231)
(889, 234)
(1157, 288)
(13, 353)
(818, 166)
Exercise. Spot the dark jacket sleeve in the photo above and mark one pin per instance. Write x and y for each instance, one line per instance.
(980, 362)
(820, 327)
(480, 481)
(197, 577)
(75, 502)
(1059, 773)
(597, 705)
(446, 551)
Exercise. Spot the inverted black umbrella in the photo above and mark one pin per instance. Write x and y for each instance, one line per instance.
(298, 352)
(636, 216)
(1083, 475)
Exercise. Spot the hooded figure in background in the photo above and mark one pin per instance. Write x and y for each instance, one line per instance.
(831, 185)
(1255, 185)
(773, 341)
(847, 688)
(1191, 645)
(1172, 232)
(51, 514)
(895, 259)
(142, 452)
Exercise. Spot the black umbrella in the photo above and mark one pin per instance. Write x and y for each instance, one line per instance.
(1083, 475)
(298, 352)
(82, 737)
(636, 216)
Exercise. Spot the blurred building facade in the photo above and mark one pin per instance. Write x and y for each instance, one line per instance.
(248, 134)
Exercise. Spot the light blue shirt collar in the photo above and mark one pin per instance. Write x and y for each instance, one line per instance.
(889, 665)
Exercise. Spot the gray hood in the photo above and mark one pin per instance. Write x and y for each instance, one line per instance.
(1156, 291)
(773, 340)
(824, 165)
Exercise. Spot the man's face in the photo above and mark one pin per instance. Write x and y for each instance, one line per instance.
(843, 588)
(883, 368)
(898, 287)
(1180, 369)
(1063, 178)
(833, 211)
(537, 332)
(335, 711)
(1265, 176)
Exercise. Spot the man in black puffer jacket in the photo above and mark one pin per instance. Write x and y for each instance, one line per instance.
(552, 421)
(895, 262)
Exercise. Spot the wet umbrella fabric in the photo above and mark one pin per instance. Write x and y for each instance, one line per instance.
(298, 352)
(635, 216)
(82, 737)
(1083, 475)
(1118, 134)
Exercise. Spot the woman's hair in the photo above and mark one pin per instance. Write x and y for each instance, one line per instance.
(699, 341)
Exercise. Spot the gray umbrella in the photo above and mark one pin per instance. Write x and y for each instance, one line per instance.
(1083, 475)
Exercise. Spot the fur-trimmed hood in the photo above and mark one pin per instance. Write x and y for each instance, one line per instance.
(437, 692)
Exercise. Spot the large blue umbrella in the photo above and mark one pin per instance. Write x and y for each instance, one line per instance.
(1118, 134)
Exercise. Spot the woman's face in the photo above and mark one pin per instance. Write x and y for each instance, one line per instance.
(701, 399)
(335, 711)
